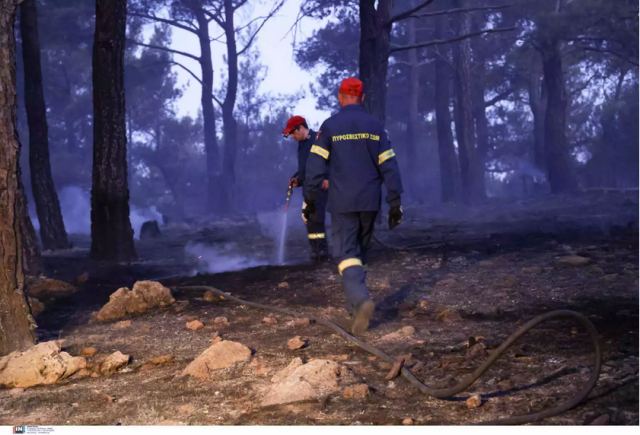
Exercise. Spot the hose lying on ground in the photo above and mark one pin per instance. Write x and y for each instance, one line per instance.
(442, 393)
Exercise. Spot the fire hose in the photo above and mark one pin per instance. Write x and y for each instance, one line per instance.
(444, 393)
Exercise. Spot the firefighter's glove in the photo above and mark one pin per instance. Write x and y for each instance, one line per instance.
(308, 209)
(395, 216)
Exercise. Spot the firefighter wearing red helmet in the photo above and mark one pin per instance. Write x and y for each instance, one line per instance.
(353, 148)
(299, 131)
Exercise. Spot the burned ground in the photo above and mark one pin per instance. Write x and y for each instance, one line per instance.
(455, 281)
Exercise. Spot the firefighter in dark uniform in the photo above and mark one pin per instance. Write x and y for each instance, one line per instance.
(352, 146)
(298, 129)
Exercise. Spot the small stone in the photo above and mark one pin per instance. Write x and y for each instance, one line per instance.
(423, 305)
(270, 320)
(88, 351)
(407, 421)
(474, 401)
(194, 325)
(356, 392)
(162, 359)
(283, 285)
(221, 321)
(75, 405)
(574, 260)
(219, 355)
(122, 324)
(296, 343)
(302, 322)
(210, 296)
(113, 362)
(478, 350)
(448, 315)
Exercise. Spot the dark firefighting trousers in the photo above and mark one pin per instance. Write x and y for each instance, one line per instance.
(350, 237)
(316, 229)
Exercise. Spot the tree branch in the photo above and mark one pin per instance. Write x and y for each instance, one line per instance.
(178, 64)
(166, 21)
(273, 11)
(169, 50)
(501, 96)
(448, 41)
(460, 10)
(406, 14)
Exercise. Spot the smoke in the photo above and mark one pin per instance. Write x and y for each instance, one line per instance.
(75, 204)
(223, 258)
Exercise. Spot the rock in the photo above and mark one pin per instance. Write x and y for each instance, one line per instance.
(474, 401)
(41, 364)
(37, 307)
(122, 324)
(210, 296)
(162, 359)
(407, 421)
(448, 315)
(82, 278)
(314, 380)
(47, 289)
(220, 355)
(400, 334)
(283, 285)
(88, 351)
(113, 362)
(270, 320)
(296, 343)
(144, 296)
(150, 230)
(302, 322)
(394, 371)
(357, 392)
(194, 325)
(478, 350)
(574, 260)
(221, 321)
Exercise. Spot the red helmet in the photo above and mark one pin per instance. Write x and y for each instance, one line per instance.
(351, 86)
(292, 123)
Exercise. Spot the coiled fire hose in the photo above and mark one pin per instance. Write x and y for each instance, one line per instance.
(443, 393)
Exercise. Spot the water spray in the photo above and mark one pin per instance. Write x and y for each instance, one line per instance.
(283, 228)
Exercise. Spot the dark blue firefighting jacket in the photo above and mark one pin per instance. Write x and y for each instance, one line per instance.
(304, 147)
(353, 148)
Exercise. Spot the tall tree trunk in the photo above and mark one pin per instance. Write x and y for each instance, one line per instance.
(472, 173)
(480, 113)
(208, 113)
(228, 105)
(111, 233)
(16, 323)
(413, 96)
(538, 105)
(449, 171)
(52, 232)
(30, 249)
(555, 124)
(375, 29)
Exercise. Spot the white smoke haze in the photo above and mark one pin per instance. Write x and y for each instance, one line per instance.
(221, 258)
(75, 204)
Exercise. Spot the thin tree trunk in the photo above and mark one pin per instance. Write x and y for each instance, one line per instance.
(16, 323)
(375, 29)
(555, 138)
(413, 108)
(472, 173)
(208, 113)
(449, 171)
(228, 105)
(537, 103)
(111, 233)
(480, 113)
(52, 231)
